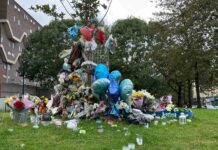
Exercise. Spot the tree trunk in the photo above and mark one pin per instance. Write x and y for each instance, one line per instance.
(184, 96)
(179, 95)
(197, 85)
(189, 94)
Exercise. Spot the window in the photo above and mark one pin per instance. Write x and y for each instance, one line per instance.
(9, 67)
(31, 31)
(38, 28)
(4, 76)
(14, 18)
(18, 9)
(5, 66)
(15, 6)
(2, 39)
(8, 2)
(12, 54)
(13, 45)
(16, 74)
(18, 22)
(9, 53)
(31, 21)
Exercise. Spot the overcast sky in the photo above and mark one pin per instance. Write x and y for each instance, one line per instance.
(120, 9)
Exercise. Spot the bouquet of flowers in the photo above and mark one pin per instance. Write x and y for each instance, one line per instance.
(18, 107)
(137, 98)
(14, 103)
(142, 100)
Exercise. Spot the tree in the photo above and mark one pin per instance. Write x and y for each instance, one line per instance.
(40, 61)
(40, 56)
(194, 34)
(167, 58)
(83, 10)
(132, 55)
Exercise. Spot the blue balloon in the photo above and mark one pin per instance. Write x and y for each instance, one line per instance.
(113, 88)
(126, 88)
(115, 75)
(100, 86)
(73, 31)
(113, 91)
(101, 71)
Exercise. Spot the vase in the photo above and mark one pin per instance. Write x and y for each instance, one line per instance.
(20, 116)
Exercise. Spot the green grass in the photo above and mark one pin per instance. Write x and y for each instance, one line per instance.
(200, 134)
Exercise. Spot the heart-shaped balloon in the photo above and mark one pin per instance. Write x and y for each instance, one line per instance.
(101, 36)
(87, 33)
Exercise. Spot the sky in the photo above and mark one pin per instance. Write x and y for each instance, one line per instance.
(120, 9)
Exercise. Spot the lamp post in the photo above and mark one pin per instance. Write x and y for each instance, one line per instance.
(23, 76)
(1, 74)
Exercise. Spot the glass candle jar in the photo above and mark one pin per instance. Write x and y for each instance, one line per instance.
(100, 129)
(139, 140)
(182, 119)
(131, 146)
(125, 148)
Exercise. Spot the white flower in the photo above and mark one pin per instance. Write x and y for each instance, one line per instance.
(147, 94)
(170, 107)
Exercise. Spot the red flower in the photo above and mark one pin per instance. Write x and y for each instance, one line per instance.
(19, 105)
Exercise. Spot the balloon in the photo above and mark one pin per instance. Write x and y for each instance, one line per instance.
(126, 88)
(101, 71)
(101, 35)
(73, 31)
(115, 75)
(113, 88)
(114, 91)
(100, 86)
(87, 33)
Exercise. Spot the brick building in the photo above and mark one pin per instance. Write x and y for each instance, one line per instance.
(15, 25)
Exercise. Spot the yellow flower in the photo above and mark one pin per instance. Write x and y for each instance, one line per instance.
(46, 100)
(9, 99)
(36, 100)
(137, 94)
(70, 76)
(76, 77)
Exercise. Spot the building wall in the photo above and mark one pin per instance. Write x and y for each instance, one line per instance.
(15, 25)
(16, 89)
(21, 21)
(3, 10)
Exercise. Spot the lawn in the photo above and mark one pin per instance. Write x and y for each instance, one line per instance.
(200, 134)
